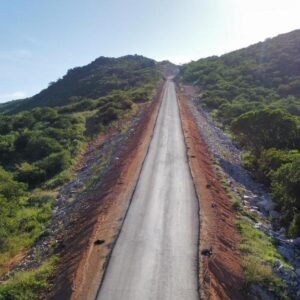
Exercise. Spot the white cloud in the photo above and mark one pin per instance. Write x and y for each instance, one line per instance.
(12, 96)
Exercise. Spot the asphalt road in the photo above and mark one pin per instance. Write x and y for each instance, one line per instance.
(155, 256)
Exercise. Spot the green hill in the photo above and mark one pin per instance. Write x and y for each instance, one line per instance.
(97, 79)
(262, 73)
(39, 148)
(255, 93)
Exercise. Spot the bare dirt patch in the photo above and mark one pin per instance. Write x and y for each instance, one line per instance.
(220, 270)
(87, 249)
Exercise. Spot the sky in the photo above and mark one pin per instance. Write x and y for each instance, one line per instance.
(41, 39)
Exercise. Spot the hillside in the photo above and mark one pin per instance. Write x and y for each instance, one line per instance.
(255, 94)
(92, 81)
(42, 149)
(262, 73)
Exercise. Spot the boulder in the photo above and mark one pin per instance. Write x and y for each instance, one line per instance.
(267, 205)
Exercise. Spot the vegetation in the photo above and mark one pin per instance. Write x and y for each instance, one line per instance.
(39, 147)
(97, 79)
(30, 284)
(259, 255)
(255, 93)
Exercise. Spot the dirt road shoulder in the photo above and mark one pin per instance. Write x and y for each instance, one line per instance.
(220, 271)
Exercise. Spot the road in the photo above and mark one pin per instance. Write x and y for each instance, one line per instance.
(155, 255)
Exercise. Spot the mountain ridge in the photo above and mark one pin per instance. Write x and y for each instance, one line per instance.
(94, 80)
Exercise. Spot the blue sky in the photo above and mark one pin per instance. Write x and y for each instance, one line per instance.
(41, 39)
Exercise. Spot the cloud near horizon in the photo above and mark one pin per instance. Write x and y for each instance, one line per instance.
(12, 96)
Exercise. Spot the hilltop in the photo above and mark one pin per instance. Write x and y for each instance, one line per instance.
(97, 79)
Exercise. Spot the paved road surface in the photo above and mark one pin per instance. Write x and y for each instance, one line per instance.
(155, 256)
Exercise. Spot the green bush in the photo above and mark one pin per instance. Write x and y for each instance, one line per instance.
(264, 129)
(285, 189)
(268, 161)
(294, 228)
(55, 163)
(7, 147)
(45, 114)
(39, 147)
(29, 285)
(31, 174)
(9, 188)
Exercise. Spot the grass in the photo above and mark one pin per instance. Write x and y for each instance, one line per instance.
(99, 169)
(30, 284)
(104, 162)
(258, 250)
(26, 227)
(259, 254)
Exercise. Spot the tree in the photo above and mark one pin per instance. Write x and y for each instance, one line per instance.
(263, 129)
(31, 174)
(55, 163)
(286, 190)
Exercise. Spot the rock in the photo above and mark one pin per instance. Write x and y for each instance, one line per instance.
(282, 230)
(267, 205)
(99, 242)
(274, 214)
(286, 253)
(47, 198)
(258, 225)
(260, 292)
(296, 242)
(207, 252)
(278, 266)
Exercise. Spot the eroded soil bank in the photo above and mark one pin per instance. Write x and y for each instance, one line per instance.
(87, 247)
(220, 270)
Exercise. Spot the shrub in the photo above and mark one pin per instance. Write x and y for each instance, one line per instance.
(7, 147)
(47, 114)
(263, 129)
(286, 192)
(294, 228)
(28, 285)
(30, 173)
(39, 147)
(55, 163)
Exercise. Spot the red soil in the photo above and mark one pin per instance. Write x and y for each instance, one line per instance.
(220, 275)
(87, 250)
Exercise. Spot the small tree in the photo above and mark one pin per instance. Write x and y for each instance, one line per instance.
(264, 129)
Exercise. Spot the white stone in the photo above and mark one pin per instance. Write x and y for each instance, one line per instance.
(267, 205)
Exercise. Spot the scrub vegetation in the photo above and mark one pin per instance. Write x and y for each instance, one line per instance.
(255, 93)
(259, 250)
(30, 284)
(41, 139)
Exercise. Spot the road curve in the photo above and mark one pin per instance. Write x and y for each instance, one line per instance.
(155, 255)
